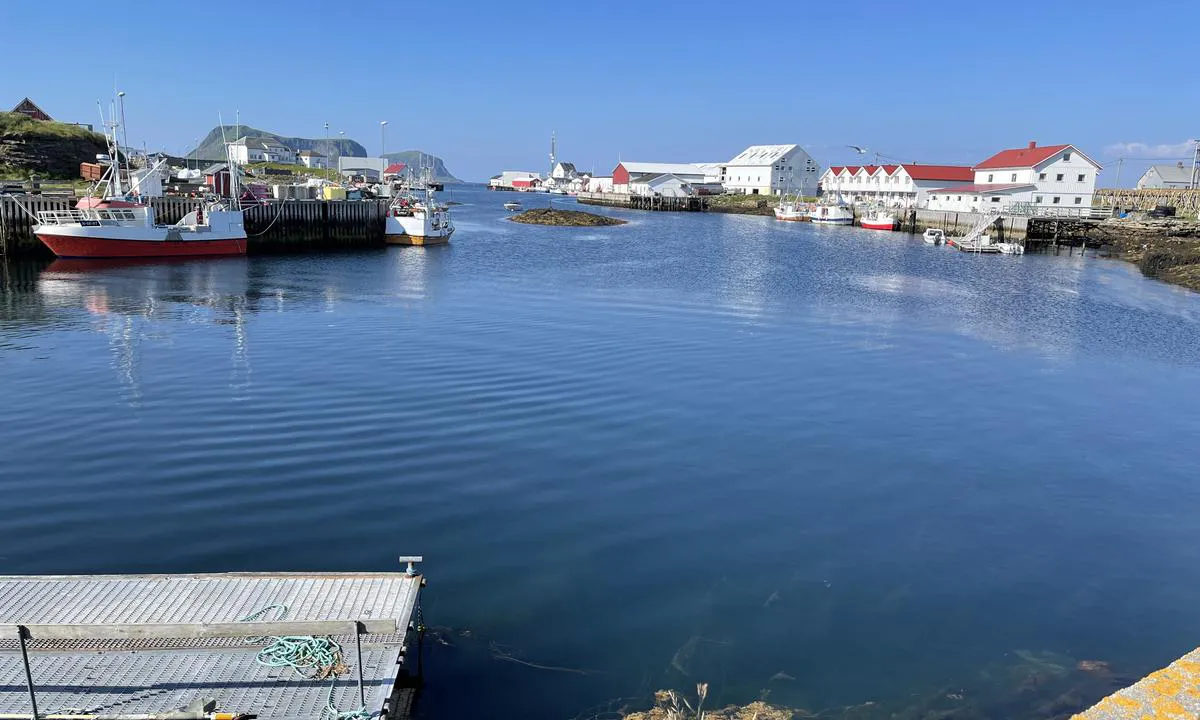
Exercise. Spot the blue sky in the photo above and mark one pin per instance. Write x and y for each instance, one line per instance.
(482, 84)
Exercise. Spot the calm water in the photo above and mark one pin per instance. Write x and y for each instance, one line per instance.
(824, 465)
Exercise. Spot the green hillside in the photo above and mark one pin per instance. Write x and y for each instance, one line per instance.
(45, 149)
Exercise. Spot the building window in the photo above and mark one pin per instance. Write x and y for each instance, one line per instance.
(1055, 200)
(1014, 177)
(1059, 177)
(1078, 201)
(1066, 157)
(1037, 199)
(959, 198)
(1082, 178)
(1041, 176)
(995, 199)
(989, 177)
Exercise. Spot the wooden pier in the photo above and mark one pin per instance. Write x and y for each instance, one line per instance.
(275, 226)
(128, 645)
(697, 203)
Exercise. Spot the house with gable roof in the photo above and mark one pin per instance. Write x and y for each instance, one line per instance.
(1034, 180)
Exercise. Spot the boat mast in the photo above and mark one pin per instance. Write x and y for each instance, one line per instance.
(115, 187)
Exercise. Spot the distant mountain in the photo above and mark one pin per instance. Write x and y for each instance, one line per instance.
(213, 148)
(414, 159)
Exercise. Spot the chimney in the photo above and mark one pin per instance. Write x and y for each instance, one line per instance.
(1032, 144)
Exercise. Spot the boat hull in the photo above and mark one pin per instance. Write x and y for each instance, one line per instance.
(82, 246)
(418, 229)
(877, 225)
(406, 239)
(832, 221)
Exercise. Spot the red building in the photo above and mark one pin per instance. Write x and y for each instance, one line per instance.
(27, 108)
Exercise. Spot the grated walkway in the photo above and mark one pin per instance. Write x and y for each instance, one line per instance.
(149, 674)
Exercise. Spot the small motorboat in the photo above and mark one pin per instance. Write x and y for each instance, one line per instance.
(1008, 248)
(512, 206)
(934, 236)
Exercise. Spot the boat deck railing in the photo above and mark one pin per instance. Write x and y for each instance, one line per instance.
(66, 217)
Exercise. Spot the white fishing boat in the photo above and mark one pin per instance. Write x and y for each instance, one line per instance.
(934, 236)
(512, 206)
(414, 216)
(792, 210)
(1008, 248)
(114, 221)
(832, 214)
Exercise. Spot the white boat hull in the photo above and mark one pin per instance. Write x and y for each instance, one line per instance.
(420, 228)
(832, 215)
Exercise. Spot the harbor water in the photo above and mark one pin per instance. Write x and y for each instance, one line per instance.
(824, 466)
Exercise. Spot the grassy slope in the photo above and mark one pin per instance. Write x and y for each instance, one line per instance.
(18, 125)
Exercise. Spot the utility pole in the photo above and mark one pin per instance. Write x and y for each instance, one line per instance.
(1195, 153)
(1120, 162)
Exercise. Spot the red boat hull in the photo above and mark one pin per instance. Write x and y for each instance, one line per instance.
(68, 246)
(878, 226)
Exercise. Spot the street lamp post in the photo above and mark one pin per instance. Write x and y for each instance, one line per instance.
(124, 131)
(382, 138)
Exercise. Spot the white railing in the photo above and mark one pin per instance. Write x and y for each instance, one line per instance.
(65, 217)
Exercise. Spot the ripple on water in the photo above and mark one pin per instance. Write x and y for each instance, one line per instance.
(641, 434)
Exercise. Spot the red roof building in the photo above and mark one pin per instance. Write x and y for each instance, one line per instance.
(899, 185)
(1025, 157)
(394, 168)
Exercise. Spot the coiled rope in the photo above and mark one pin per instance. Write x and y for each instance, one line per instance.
(310, 657)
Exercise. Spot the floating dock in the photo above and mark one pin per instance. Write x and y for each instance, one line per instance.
(1172, 693)
(126, 645)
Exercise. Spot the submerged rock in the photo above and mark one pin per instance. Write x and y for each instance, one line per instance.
(564, 218)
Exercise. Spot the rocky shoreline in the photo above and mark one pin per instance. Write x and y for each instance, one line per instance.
(564, 218)
(1167, 249)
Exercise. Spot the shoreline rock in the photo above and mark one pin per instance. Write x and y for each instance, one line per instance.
(564, 218)
(1167, 250)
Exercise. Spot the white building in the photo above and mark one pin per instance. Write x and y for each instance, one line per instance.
(1049, 180)
(772, 170)
(627, 174)
(665, 185)
(906, 185)
(600, 184)
(250, 150)
(713, 172)
(313, 160)
(510, 179)
(1168, 176)
(368, 167)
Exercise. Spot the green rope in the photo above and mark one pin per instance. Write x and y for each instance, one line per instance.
(308, 656)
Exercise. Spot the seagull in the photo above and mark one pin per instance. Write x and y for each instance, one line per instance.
(857, 149)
